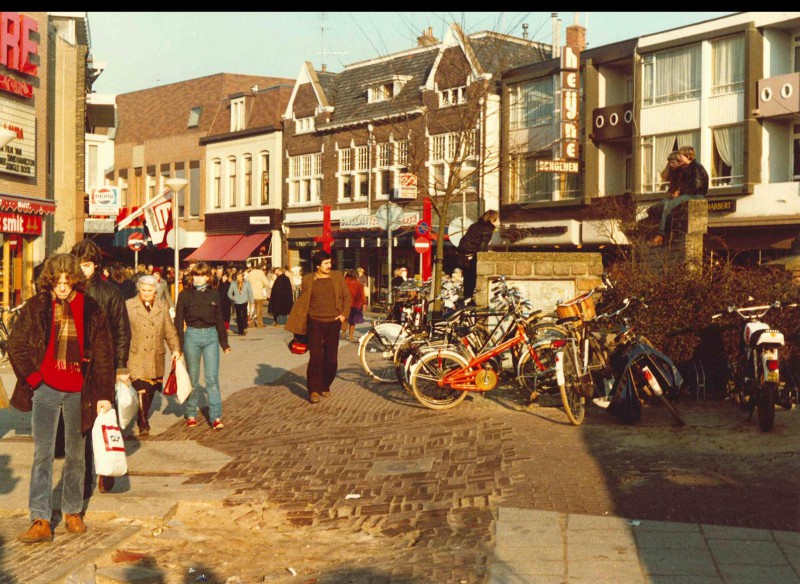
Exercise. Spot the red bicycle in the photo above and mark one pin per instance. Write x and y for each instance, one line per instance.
(442, 377)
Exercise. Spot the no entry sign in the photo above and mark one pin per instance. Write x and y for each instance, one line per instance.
(422, 244)
(136, 241)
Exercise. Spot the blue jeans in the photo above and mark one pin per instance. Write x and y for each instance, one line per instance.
(48, 404)
(203, 342)
(669, 205)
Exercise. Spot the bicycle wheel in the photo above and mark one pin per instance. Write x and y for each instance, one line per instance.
(3, 348)
(427, 374)
(571, 395)
(599, 367)
(766, 405)
(533, 380)
(377, 357)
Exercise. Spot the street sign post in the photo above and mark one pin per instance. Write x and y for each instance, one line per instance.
(136, 241)
(423, 228)
(389, 216)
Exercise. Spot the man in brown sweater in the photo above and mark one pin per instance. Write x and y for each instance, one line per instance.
(319, 312)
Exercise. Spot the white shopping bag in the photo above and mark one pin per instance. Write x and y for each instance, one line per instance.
(182, 377)
(127, 403)
(109, 449)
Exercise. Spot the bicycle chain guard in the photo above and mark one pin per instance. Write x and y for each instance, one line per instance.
(486, 379)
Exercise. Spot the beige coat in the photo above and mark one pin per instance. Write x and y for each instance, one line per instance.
(298, 317)
(149, 330)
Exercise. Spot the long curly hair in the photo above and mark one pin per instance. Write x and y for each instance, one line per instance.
(61, 263)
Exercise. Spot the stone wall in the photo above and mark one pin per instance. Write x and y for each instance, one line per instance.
(544, 277)
(683, 244)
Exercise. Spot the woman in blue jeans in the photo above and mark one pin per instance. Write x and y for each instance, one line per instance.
(200, 310)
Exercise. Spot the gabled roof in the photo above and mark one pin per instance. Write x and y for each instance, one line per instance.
(164, 111)
(263, 109)
(487, 53)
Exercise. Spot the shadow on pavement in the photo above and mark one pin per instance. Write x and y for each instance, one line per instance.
(9, 482)
(363, 575)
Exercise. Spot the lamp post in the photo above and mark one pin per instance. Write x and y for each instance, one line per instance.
(176, 185)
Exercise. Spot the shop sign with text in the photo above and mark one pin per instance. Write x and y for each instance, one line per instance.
(19, 155)
(24, 224)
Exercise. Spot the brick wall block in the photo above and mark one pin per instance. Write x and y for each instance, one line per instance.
(543, 268)
(504, 268)
(524, 269)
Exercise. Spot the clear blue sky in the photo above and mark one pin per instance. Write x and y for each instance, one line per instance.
(146, 49)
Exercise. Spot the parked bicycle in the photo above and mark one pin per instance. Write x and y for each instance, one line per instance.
(8, 317)
(757, 377)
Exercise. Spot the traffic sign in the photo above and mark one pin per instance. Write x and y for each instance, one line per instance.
(423, 228)
(136, 241)
(422, 244)
(389, 215)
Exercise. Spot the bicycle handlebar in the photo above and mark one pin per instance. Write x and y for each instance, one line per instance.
(748, 312)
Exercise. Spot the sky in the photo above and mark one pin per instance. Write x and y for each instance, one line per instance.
(147, 49)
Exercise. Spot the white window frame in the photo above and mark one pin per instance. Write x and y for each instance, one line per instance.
(718, 88)
(232, 183)
(305, 125)
(264, 182)
(452, 96)
(237, 114)
(650, 78)
(442, 152)
(248, 180)
(305, 179)
(532, 103)
(385, 165)
(216, 183)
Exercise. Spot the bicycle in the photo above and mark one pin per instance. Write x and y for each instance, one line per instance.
(8, 316)
(442, 377)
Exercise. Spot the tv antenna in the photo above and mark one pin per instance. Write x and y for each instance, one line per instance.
(323, 52)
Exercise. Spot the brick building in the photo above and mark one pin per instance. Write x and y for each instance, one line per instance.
(158, 137)
(430, 112)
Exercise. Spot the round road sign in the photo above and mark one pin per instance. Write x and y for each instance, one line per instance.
(136, 240)
(422, 244)
(423, 228)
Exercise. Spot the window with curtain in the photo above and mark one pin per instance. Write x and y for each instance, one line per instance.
(670, 76)
(728, 167)
(232, 193)
(727, 56)
(532, 103)
(248, 180)
(265, 178)
(216, 187)
(655, 150)
(532, 185)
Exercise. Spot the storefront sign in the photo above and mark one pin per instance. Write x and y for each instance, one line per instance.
(92, 225)
(41, 207)
(408, 186)
(365, 221)
(556, 166)
(104, 201)
(259, 220)
(722, 206)
(16, 44)
(24, 224)
(19, 156)
(16, 86)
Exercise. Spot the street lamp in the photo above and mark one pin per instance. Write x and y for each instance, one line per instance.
(176, 185)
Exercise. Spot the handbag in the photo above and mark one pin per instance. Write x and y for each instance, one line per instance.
(182, 381)
(127, 403)
(171, 383)
(108, 446)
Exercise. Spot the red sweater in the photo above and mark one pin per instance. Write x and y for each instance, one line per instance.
(59, 379)
(356, 292)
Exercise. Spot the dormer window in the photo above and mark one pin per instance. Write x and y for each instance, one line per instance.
(304, 125)
(452, 96)
(386, 88)
(237, 114)
(194, 117)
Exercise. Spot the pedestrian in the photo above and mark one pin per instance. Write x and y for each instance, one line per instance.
(240, 294)
(282, 297)
(60, 371)
(692, 184)
(400, 276)
(162, 290)
(258, 283)
(476, 239)
(319, 313)
(141, 270)
(362, 277)
(357, 302)
(271, 276)
(199, 310)
(151, 327)
(111, 301)
(119, 277)
(297, 281)
(222, 282)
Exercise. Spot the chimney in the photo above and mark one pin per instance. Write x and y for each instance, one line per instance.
(324, 67)
(556, 41)
(576, 36)
(525, 30)
(427, 39)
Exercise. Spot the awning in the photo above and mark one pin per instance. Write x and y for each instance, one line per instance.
(245, 247)
(214, 248)
(27, 205)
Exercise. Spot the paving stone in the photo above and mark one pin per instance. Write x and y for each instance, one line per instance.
(128, 575)
(741, 552)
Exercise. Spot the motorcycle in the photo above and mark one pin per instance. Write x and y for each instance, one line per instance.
(758, 379)
(640, 373)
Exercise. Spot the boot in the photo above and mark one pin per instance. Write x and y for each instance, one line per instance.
(145, 399)
(38, 531)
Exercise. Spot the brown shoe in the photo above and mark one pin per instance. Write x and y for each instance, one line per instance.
(38, 531)
(105, 484)
(326, 393)
(74, 523)
(313, 397)
(657, 241)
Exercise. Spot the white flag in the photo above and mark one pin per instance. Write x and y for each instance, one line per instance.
(158, 219)
(154, 201)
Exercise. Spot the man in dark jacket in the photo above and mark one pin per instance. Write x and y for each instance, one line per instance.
(476, 239)
(692, 184)
(110, 299)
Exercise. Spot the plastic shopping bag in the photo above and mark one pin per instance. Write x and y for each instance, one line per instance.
(127, 403)
(109, 449)
(182, 377)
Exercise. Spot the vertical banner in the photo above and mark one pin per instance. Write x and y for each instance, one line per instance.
(570, 103)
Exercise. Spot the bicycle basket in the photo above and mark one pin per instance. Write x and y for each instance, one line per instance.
(582, 307)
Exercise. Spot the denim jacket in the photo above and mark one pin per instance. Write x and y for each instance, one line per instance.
(243, 297)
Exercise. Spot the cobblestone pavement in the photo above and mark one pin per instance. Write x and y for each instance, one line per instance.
(435, 478)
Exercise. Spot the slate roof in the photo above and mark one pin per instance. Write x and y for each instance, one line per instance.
(264, 110)
(347, 91)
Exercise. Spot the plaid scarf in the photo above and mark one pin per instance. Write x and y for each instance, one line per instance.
(68, 349)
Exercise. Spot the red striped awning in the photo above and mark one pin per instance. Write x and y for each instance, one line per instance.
(22, 204)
